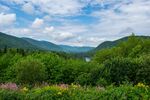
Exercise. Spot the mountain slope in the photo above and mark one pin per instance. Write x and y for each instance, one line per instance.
(28, 43)
(44, 44)
(109, 44)
(75, 49)
(14, 42)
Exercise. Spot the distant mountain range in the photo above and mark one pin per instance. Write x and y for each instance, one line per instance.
(28, 43)
(67, 48)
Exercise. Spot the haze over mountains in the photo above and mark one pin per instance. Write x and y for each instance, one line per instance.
(28, 43)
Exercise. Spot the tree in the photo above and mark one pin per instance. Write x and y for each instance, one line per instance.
(143, 73)
(5, 49)
(30, 71)
(120, 70)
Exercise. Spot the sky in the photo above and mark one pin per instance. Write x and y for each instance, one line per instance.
(75, 22)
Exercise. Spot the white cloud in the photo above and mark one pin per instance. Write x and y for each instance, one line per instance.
(28, 8)
(4, 8)
(37, 23)
(7, 19)
(48, 18)
(57, 7)
(49, 29)
(121, 16)
(64, 36)
(51, 7)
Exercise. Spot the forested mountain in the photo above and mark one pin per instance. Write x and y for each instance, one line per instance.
(44, 44)
(75, 49)
(28, 43)
(15, 42)
(109, 44)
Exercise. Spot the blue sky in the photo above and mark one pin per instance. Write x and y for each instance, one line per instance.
(75, 22)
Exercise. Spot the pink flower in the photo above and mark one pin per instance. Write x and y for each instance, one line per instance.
(9, 86)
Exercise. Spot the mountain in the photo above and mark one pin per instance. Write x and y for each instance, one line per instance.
(14, 42)
(28, 43)
(44, 44)
(109, 44)
(75, 49)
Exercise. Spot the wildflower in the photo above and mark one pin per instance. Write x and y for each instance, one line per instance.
(59, 93)
(63, 86)
(25, 89)
(141, 85)
(74, 86)
(10, 86)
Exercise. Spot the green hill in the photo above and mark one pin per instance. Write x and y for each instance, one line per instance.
(28, 43)
(109, 44)
(44, 44)
(14, 42)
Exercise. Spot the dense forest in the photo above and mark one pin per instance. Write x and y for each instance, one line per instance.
(121, 72)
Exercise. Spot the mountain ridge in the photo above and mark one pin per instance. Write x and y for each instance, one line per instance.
(29, 43)
(109, 44)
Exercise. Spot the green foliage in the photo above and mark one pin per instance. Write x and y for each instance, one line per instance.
(84, 79)
(102, 82)
(103, 55)
(143, 73)
(30, 71)
(121, 69)
(133, 47)
(10, 95)
(6, 61)
(53, 64)
(129, 61)
(75, 92)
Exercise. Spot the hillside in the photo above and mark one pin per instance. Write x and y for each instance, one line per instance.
(109, 44)
(28, 43)
(75, 49)
(44, 44)
(14, 42)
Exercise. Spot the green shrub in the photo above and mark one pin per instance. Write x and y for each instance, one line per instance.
(52, 63)
(120, 70)
(101, 82)
(84, 79)
(30, 70)
(143, 73)
(11, 95)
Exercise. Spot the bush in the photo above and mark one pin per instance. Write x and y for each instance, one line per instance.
(84, 79)
(11, 95)
(143, 73)
(101, 82)
(30, 71)
(6, 61)
(120, 70)
(53, 64)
